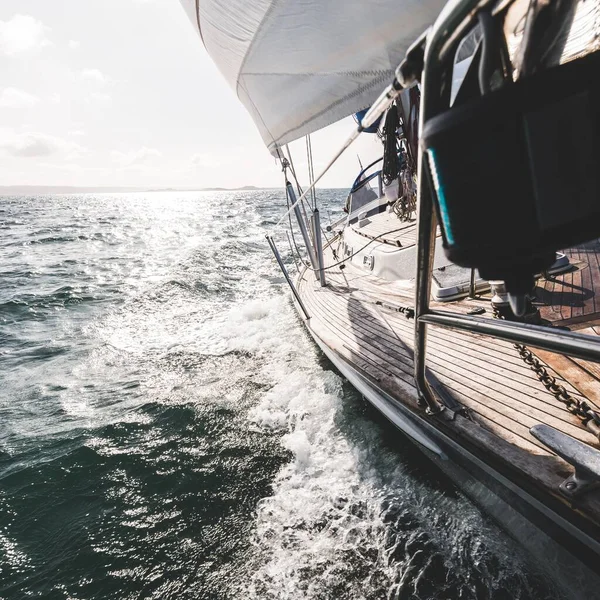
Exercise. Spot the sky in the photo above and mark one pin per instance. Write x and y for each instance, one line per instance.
(123, 93)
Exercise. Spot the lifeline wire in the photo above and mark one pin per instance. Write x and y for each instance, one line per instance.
(337, 264)
(345, 146)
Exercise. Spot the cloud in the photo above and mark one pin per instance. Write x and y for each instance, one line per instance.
(70, 167)
(22, 33)
(64, 167)
(14, 98)
(203, 161)
(35, 144)
(95, 76)
(77, 133)
(135, 157)
(74, 44)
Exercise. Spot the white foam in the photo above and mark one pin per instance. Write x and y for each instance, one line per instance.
(307, 522)
(330, 529)
(262, 326)
(300, 446)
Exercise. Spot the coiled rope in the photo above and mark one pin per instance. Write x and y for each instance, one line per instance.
(391, 162)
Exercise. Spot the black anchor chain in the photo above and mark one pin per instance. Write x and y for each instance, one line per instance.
(580, 408)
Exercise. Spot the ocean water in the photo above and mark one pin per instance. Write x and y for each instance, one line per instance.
(168, 429)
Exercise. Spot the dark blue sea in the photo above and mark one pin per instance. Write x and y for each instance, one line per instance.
(169, 431)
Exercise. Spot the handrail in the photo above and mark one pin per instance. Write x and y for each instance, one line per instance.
(357, 179)
(578, 345)
(440, 38)
(363, 182)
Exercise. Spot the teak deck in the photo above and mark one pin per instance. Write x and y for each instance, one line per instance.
(354, 316)
(570, 299)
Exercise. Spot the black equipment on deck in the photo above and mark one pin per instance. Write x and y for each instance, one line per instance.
(517, 172)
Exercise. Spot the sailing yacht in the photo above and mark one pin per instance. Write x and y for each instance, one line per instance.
(458, 292)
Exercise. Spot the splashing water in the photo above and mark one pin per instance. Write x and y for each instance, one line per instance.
(170, 431)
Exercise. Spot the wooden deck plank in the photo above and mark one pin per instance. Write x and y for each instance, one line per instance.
(572, 296)
(580, 301)
(497, 390)
(593, 274)
(524, 413)
(359, 347)
(345, 348)
(492, 348)
(491, 382)
(588, 284)
(582, 379)
(440, 347)
(589, 367)
(376, 353)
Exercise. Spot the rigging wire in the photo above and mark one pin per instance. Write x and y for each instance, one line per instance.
(311, 170)
(287, 233)
(292, 169)
(344, 147)
(299, 188)
(311, 175)
(380, 105)
(289, 214)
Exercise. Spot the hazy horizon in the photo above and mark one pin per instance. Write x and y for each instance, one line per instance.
(12, 190)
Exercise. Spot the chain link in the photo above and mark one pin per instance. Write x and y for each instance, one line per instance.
(580, 408)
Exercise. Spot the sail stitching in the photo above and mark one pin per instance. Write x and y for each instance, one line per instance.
(252, 42)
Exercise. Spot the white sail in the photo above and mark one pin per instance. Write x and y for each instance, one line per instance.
(299, 65)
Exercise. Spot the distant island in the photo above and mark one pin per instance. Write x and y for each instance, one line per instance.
(244, 188)
(38, 190)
